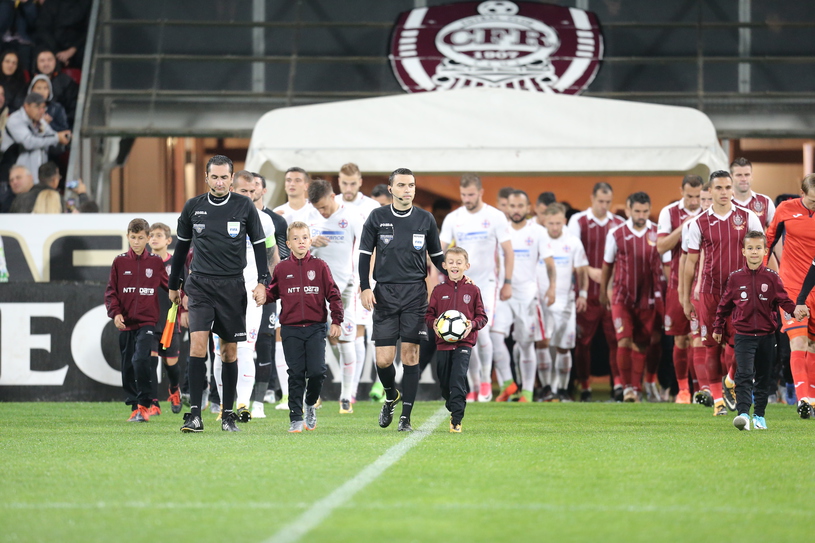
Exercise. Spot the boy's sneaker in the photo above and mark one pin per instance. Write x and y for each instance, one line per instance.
(258, 410)
(704, 397)
(244, 415)
(729, 393)
(455, 427)
(508, 391)
(296, 427)
(228, 422)
(175, 401)
(804, 409)
(759, 423)
(283, 404)
(310, 417)
(404, 425)
(742, 422)
(485, 392)
(719, 409)
(192, 423)
(386, 414)
(345, 407)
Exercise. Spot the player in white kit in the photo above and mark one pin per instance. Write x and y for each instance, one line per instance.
(244, 184)
(530, 243)
(560, 319)
(334, 240)
(482, 231)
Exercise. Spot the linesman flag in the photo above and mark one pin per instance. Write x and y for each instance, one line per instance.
(167, 335)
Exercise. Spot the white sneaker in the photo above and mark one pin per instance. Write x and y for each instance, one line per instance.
(257, 410)
(283, 405)
(742, 422)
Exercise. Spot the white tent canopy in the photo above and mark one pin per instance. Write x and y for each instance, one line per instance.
(486, 130)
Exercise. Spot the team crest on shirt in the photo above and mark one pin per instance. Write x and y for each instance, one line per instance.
(148, 272)
(198, 228)
(758, 207)
(738, 221)
(466, 298)
(764, 287)
(343, 223)
(418, 241)
(311, 275)
(743, 295)
(668, 322)
(349, 328)
(694, 325)
(704, 332)
(618, 324)
(529, 241)
(652, 239)
(485, 224)
(233, 229)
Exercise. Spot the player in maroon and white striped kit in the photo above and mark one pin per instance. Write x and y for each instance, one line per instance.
(669, 228)
(762, 205)
(592, 226)
(631, 251)
(718, 232)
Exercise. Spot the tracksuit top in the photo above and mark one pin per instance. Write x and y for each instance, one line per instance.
(462, 297)
(133, 286)
(303, 285)
(754, 297)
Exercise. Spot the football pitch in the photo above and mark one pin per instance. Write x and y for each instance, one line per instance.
(518, 472)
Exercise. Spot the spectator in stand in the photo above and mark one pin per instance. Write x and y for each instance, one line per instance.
(20, 182)
(49, 177)
(22, 16)
(63, 88)
(29, 137)
(48, 201)
(54, 111)
(12, 79)
(62, 26)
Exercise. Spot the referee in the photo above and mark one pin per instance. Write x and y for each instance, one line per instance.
(219, 224)
(402, 236)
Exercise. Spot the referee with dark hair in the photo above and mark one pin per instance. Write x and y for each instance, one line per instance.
(402, 235)
(218, 223)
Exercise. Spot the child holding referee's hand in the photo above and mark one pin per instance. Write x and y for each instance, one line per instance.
(753, 294)
(454, 358)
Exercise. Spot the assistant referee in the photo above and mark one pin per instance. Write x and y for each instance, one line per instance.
(218, 223)
(402, 235)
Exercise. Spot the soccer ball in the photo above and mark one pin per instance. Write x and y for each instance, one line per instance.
(451, 325)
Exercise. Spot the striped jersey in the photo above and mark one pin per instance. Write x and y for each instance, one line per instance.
(636, 264)
(592, 233)
(761, 205)
(670, 218)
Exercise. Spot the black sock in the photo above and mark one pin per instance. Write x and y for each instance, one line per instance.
(198, 376)
(172, 375)
(387, 376)
(262, 375)
(229, 376)
(410, 385)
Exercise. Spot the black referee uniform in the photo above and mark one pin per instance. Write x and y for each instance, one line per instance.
(402, 240)
(217, 227)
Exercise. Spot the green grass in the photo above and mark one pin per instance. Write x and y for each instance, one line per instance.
(553, 472)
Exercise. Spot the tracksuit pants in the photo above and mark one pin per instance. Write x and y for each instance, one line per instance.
(754, 361)
(452, 370)
(304, 348)
(137, 380)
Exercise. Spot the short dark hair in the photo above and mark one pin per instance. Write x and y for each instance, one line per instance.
(441, 204)
(161, 226)
(505, 192)
(380, 190)
(718, 174)
(399, 171)
(546, 198)
(692, 181)
(34, 98)
(47, 172)
(138, 225)
(601, 186)
(470, 179)
(246, 175)
(89, 207)
(319, 189)
(639, 198)
(220, 160)
(740, 161)
(262, 179)
(754, 234)
(516, 192)
(299, 170)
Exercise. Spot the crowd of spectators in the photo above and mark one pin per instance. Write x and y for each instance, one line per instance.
(42, 49)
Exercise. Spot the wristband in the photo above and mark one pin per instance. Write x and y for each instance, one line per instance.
(583, 294)
(507, 281)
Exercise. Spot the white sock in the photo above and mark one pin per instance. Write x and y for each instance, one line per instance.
(500, 355)
(348, 363)
(484, 347)
(246, 373)
(217, 365)
(528, 365)
(544, 366)
(359, 347)
(563, 367)
(282, 368)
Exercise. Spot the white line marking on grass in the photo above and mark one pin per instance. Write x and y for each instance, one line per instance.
(317, 513)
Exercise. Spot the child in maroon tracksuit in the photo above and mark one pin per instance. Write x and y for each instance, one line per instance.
(132, 301)
(304, 284)
(454, 358)
(753, 294)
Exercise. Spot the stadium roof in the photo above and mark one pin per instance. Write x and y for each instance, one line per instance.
(487, 130)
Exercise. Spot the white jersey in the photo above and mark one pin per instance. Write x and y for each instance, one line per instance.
(529, 245)
(250, 272)
(343, 230)
(568, 254)
(480, 234)
(363, 204)
(304, 214)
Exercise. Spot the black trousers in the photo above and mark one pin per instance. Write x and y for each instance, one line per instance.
(304, 348)
(452, 368)
(755, 356)
(137, 380)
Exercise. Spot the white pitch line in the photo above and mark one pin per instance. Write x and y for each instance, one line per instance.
(317, 513)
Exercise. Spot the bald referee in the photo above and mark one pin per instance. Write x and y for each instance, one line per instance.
(218, 223)
(402, 235)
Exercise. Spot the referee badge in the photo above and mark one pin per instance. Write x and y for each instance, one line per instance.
(418, 241)
(198, 228)
(233, 229)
